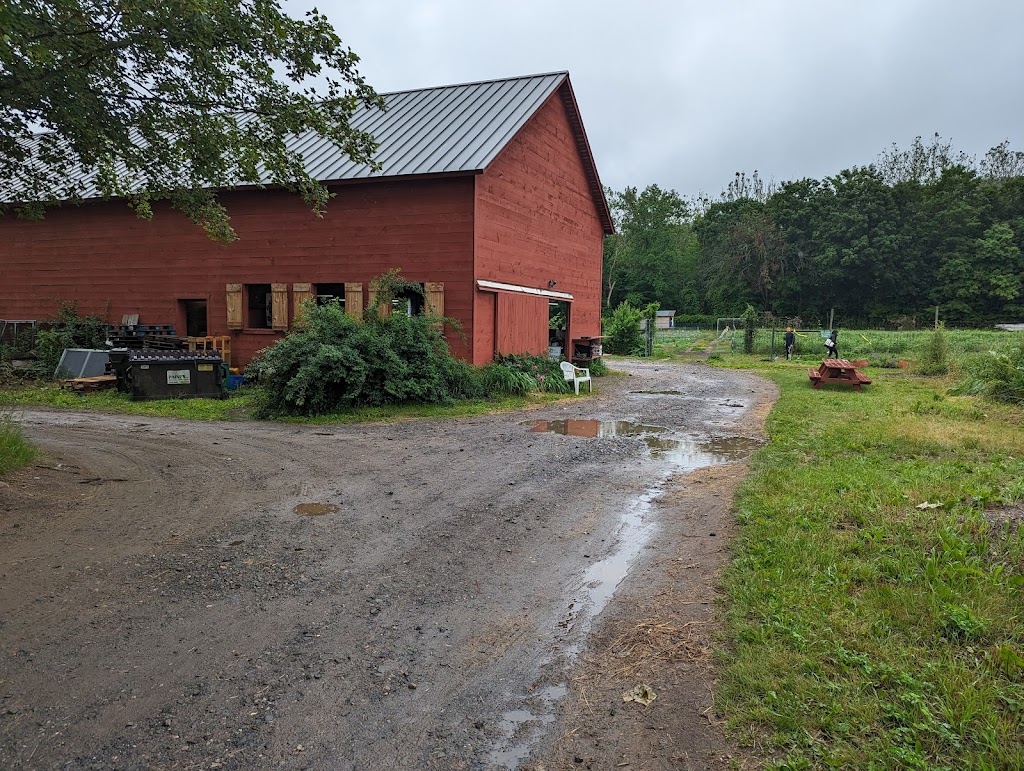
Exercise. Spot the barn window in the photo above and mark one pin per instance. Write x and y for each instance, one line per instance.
(259, 306)
(408, 301)
(327, 293)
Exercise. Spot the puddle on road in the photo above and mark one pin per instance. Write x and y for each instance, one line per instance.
(658, 393)
(693, 454)
(592, 428)
(315, 509)
(522, 728)
(525, 728)
(690, 453)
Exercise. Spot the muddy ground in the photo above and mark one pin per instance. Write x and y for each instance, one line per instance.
(456, 602)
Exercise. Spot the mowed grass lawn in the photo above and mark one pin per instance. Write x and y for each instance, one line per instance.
(875, 602)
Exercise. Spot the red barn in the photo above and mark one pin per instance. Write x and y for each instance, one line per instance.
(488, 195)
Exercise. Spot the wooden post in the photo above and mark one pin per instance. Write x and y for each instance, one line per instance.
(831, 318)
(936, 316)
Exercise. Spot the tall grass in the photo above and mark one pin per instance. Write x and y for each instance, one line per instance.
(875, 599)
(15, 452)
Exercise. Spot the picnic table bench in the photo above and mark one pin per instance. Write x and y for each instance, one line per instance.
(837, 371)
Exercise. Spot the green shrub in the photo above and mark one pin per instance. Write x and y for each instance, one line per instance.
(622, 333)
(934, 354)
(334, 361)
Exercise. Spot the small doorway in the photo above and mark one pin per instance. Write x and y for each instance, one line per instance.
(558, 328)
(195, 317)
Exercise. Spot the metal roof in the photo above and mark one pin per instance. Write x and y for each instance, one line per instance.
(435, 130)
(446, 129)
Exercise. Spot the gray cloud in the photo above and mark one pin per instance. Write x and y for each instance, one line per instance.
(683, 94)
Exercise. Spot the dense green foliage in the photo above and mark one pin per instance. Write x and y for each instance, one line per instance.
(333, 360)
(169, 99)
(999, 374)
(934, 356)
(622, 333)
(881, 244)
(874, 599)
(69, 330)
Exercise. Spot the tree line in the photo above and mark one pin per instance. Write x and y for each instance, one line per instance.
(880, 244)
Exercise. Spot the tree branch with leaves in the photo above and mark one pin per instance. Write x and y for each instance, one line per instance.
(153, 100)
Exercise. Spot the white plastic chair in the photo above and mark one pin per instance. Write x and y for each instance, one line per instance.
(577, 375)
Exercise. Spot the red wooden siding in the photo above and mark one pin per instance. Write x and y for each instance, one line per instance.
(522, 324)
(536, 221)
(111, 263)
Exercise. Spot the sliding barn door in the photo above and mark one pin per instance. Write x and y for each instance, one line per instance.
(521, 325)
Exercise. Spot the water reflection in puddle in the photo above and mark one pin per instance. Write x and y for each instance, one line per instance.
(592, 428)
(521, 728)
(690, 453)
(697, 453)
(315, 509)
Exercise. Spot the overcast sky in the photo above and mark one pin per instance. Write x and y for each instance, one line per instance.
(684, 94)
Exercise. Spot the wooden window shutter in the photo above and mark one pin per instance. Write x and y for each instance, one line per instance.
(434, 295)
(279, 313)
(385, 303)
(354, 299)
(234, 296)
(300, 294)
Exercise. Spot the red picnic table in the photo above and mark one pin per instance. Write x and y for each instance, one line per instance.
(837, 371)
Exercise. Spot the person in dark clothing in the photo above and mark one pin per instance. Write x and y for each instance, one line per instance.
(832, 344)
(790, 342)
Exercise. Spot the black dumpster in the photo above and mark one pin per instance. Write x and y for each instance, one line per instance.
(155, 374)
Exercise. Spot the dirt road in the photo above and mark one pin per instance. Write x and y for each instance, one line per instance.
(436, 594)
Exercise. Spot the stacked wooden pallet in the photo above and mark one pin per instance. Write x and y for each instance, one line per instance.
(89, 385)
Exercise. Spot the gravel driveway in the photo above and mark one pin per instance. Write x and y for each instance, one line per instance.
(412, 595)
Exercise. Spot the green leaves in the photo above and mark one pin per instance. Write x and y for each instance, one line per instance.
(160, 99)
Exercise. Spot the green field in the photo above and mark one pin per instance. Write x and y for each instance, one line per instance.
(879, 347)
(875, 600)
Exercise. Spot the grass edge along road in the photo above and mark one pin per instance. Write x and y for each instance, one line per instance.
(874, 602)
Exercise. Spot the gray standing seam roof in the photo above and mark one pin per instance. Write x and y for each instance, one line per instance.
(435, 130)
(447, 129)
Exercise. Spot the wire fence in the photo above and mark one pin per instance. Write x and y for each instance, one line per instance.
(879, 346)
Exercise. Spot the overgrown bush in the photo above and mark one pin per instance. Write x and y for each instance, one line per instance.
(622, 333)
(333, 360)
(934, 355)
(998, 374)
(69, 330)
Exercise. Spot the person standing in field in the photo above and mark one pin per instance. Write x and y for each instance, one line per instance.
(832, 344)
(790, 343)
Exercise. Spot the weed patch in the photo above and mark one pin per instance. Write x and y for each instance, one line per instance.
(15, 452)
